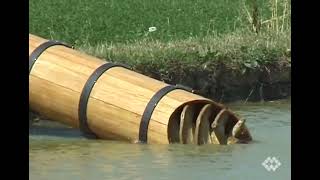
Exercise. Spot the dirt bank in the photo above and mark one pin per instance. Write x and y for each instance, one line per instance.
(223, 83)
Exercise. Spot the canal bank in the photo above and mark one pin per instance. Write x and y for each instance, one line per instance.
(222, 83)
(237, 66)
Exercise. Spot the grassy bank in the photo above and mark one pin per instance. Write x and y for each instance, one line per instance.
(240, 51)
(234, 66)
(219, 47)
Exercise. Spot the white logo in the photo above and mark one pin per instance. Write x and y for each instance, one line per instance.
(271, 163)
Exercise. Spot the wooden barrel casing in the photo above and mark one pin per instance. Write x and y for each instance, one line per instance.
(117, 100)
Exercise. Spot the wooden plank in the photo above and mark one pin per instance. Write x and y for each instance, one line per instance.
(188, 118)
(202, 130)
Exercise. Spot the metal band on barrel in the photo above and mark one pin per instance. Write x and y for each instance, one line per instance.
(40, 49)
(85, 94)
(145, 119)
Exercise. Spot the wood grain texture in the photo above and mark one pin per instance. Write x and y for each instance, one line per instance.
(117, 100)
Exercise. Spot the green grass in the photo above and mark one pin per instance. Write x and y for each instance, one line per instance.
(100, 21)
(190, 34)
(239, 51)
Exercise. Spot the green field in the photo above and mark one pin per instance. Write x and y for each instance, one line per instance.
(189, 33)
(101, 21)
(126, 20)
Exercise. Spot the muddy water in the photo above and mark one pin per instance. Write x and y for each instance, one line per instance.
(59, 152)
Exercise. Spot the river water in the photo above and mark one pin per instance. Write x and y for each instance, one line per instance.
(59, 152)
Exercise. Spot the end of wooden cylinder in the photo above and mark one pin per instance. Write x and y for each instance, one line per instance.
(203, 122)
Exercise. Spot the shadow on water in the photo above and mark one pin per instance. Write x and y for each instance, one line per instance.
(48, 128)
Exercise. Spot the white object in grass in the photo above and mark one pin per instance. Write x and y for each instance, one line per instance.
(152, 29)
